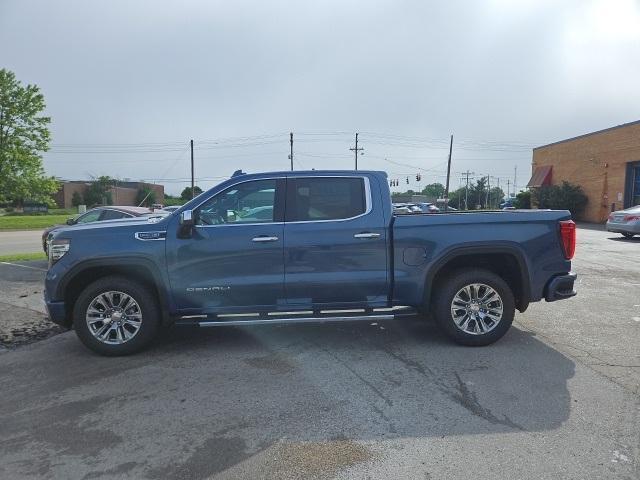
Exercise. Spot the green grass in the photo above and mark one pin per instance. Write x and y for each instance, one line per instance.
(15, 257)
(31, 222)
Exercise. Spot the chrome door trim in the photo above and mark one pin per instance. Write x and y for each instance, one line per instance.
(367, 192)
(367, 235)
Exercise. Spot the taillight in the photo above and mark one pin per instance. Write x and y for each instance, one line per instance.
(631, 218)
(611, 217)
(568, 236)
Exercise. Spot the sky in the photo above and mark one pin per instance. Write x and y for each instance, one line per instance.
(129, 83)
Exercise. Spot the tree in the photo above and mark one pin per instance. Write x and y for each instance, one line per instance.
(478, 194)
(434, 191)
(24, 135)
(76, 199)
(496, 194)
(99, 192)
(146, 197)
(186, 193)
(456, 198)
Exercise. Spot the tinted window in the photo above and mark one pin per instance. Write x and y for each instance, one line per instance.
(325, 198)
(91, 216)
(113, 215)
(249, 202)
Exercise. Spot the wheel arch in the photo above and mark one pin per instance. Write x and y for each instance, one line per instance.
(138, 269)
(505, 260)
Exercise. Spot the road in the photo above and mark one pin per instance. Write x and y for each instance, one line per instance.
(20, 241)
(557, 397)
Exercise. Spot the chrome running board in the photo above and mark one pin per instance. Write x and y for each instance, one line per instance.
(281, 320)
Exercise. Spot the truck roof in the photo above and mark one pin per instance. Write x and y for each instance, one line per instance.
(313, 172)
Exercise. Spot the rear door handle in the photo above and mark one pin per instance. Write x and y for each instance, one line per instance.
(264, 238)
(366, 235)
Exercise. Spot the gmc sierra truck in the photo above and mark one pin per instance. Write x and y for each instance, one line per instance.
(312, 246)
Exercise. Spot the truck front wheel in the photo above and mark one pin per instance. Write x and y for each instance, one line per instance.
(474, 307)
(116, 316)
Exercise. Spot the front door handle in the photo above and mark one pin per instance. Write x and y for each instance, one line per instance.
(264, 238)
(366, 235)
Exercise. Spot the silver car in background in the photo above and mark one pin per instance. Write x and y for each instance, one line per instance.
(626, 222)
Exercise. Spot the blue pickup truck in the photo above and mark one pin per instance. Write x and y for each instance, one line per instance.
(304, 247)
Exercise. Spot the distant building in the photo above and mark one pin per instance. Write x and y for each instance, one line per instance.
(124, 193)
(606, 164)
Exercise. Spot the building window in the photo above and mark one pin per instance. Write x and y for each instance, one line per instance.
(635, 187)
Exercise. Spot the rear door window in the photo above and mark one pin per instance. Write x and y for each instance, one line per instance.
(325, 198)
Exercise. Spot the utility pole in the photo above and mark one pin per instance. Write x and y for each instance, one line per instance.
(446, 190)
(356, 150)
(466, 191)
(193, 192)
(291, 149)
(508, 188)
(515, 176)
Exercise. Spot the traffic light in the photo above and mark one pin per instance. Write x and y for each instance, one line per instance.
(407, 180)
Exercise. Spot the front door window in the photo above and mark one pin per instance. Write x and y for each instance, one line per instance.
(249, 202)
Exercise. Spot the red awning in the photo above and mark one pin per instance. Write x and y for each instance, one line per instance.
(541, 176)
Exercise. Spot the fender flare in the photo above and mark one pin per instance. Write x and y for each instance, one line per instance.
(493, 248)
(160, 281)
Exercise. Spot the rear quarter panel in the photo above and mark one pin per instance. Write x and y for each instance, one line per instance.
(423, 243)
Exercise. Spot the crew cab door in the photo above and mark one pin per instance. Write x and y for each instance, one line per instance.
(335, 242)
(233, 259)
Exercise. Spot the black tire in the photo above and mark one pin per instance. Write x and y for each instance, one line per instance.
(447, 289)
(150, 315)
(628, 235)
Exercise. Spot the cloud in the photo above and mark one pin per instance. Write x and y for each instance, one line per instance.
(514, 73)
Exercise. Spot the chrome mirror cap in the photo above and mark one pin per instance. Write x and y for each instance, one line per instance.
(186, 218)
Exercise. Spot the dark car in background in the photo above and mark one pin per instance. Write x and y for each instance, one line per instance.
(98, 214)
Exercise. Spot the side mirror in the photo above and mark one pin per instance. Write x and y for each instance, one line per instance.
(71, 221)
(186, 224)
(186, 218)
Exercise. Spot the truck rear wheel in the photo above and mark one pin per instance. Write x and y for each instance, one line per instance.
(474, 307)
(116, 316)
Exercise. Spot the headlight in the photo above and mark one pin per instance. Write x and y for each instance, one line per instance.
(57, 249)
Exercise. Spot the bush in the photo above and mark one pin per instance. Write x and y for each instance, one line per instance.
(522, 200)
(562, 197)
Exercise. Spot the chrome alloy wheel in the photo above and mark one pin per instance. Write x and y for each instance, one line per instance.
(114, 317)
(476, 309)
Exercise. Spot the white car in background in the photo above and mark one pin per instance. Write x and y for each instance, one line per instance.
(626, 222)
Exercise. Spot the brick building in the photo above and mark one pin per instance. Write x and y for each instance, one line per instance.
(606, 164)
(124, 193)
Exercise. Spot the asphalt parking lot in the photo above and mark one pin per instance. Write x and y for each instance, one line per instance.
(557, 397)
